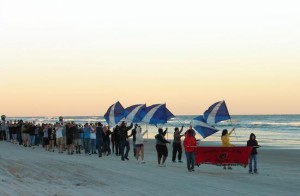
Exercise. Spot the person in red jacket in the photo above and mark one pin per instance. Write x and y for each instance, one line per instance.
(189, 144)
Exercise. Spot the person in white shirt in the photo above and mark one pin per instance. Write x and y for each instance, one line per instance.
(139, 144)
(59, 138)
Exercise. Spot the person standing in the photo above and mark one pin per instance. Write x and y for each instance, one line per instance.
(106, 140)
(226, 142)
(77, 138)
(189, 144)
(124, 140)
(93, 138)
(99, 138)
(133, 134)
(161, 147)
(253, 156)
(116, 140)
(59, 138)
(139, 143)
(177, 144)
(70, 135)
(87, 138)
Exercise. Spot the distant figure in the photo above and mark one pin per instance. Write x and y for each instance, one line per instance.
(93, 139)
(161, 146)
(253, 157)
(59, 138)
(87, 138)
(177, 144)
(77, 138)
(115, 137)
(139, 143)
(106, 140)
(133, 134)
(99, 138)
(226, 142)
(69, 136)
(189, 144)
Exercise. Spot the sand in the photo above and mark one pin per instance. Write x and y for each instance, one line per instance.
(27, 171)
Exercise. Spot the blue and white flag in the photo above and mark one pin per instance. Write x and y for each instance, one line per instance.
(114, 114)
(156, 114)
(216, 113)
(202, 127)
(133, 113)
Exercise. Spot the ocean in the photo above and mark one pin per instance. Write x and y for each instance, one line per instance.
(271, 130)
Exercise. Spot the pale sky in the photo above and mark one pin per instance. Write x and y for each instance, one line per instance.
(77, 57)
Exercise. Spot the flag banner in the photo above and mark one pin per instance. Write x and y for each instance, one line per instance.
(156, 114)
(216, 113)
(114, 114)
(203, 128)
(222, 155)
(133, 113)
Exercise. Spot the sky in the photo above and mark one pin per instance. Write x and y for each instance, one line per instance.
(78, 57)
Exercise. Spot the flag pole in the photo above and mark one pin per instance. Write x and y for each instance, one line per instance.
(231, 121)
(147, 131)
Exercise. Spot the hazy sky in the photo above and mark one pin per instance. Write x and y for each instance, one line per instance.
(77, 57)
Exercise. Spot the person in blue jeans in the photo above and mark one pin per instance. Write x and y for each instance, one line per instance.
(253, 156)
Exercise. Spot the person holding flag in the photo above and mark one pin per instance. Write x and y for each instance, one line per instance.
(226, 142)
(161, 147)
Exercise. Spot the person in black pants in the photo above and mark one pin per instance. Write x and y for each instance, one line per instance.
(124, 140)
(177, 145)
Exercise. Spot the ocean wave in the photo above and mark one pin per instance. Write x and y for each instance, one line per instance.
(292, 124)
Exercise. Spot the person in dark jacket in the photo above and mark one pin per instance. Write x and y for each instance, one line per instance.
(99, 138)
(177, 144)
(253, 157)
(124, 140)
(106, 140)
(115, 137)
(161, 146)
(133, 134)
(70, 135)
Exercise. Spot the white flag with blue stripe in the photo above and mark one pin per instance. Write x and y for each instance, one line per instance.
(202, 127)
(133, 113)
(216, 113)
(114, 114)
(156, 114)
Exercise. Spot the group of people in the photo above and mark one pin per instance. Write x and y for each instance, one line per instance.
(70, 137)
(225, 138)
(97, 139)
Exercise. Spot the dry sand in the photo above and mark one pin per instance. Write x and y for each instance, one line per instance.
(26, 171)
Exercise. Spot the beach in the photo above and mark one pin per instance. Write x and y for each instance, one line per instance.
(27, 171)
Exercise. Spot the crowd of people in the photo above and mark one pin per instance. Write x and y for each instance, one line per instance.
(96, 138)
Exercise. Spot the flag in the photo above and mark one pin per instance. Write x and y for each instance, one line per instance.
(114, 114)
(156, 114)
(223, 155)
(216, 113)
(133, 113)
(202, 127)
